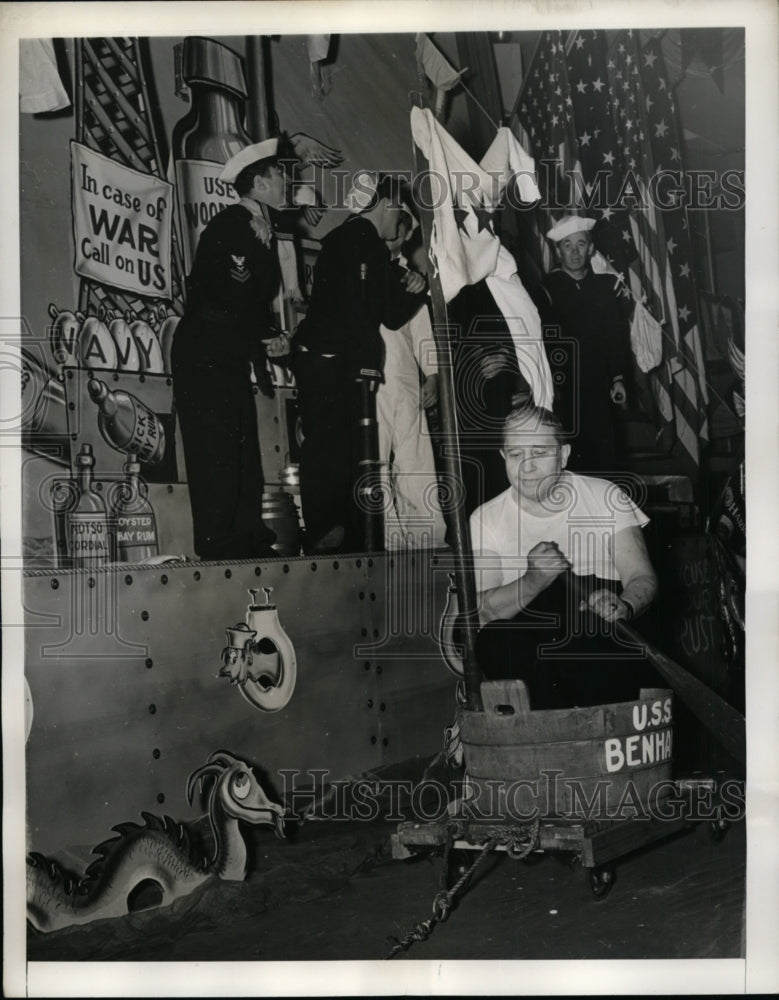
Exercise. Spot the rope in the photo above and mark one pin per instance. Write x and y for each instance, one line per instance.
(518, 845)
(478, 105)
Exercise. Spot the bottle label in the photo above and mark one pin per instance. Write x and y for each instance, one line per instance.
(147, 438)
(200, 196)
(90, 541)
(136, 529)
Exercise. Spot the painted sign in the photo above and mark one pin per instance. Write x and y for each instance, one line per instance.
(121, 224)
(649, 744)
(200, 196)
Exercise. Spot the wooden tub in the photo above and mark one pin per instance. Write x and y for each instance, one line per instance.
(601, 762)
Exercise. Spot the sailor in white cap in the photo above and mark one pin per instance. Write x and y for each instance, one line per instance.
(586, 331)
(225, 331)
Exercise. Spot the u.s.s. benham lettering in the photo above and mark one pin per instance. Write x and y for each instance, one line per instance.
(650, 744)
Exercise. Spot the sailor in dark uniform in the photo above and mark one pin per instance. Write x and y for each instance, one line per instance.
(225, 330)
(355, 290)
(586, 333)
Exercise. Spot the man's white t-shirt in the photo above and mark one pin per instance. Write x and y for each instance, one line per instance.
(584, 515)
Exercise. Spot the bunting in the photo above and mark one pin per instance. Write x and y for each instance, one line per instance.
(464, 247)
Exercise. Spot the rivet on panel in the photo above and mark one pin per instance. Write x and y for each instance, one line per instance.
(228, 573)
(91, 582)
(128, 580)
(196, 575)
(155, 754)
(144, 616)
(163, 579)
(149, 663)
(373, 739)
(160, 798)
(313, 567)
(55, 584)
(152, 709)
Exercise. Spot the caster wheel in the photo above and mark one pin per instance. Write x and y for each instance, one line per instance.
(717, 830)
(600, 880)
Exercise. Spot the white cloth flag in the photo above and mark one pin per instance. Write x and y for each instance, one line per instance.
(646, 334)
(435, 65)
(506, 159)
(318, 47)
(465, 249)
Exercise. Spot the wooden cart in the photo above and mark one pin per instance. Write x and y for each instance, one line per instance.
(592, 784)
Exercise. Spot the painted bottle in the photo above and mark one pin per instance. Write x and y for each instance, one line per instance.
(133, 516)
(126, 423)
(207, 136)
(85, 538)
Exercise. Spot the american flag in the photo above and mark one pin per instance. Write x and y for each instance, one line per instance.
(542, 121)
(620, 127)
(685, 359)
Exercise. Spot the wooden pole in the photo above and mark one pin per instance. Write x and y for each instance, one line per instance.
(724, 722)
(452, 467)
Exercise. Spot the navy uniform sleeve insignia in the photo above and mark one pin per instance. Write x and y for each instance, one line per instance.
(239, 271)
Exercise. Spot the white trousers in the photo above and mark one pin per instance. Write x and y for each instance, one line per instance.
(412, 516)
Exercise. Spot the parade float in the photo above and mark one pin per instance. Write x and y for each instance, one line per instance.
(141, 661)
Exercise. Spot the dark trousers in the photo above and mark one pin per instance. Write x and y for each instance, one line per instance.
(327, 405)
(566, 658)
(218, 420)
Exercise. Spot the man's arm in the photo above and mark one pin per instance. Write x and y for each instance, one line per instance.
(545, 562)
(638, 578)
(406, 292)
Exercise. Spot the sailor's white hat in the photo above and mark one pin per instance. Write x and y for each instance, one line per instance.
(569, 225)
(247, 156)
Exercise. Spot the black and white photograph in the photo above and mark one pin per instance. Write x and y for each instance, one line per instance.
(389, 403)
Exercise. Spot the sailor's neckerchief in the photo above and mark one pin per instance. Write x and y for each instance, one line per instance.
(285, 247)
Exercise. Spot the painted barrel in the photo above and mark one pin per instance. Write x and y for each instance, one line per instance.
(280, 514)
(601, 762)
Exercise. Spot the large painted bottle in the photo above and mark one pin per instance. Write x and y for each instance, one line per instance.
(84, 530)
(207, 136)
(126, 423)
(136, 526)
